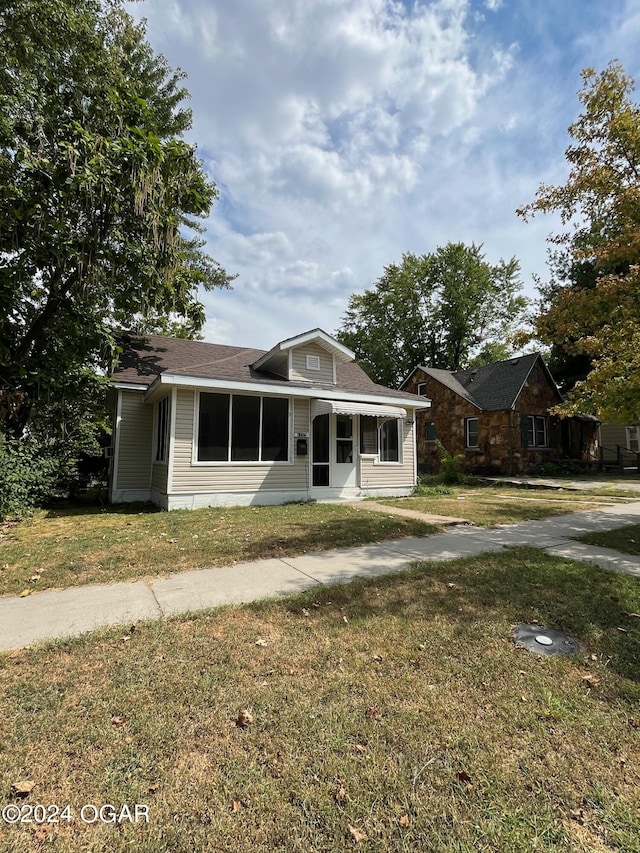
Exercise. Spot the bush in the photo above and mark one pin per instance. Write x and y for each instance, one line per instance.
(450, 466)
(29, 475)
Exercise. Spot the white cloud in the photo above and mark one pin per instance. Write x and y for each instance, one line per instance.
(343, 133)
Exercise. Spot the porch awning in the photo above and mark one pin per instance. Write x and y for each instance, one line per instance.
(342, 407)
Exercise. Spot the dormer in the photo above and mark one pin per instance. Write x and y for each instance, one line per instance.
(311, 357)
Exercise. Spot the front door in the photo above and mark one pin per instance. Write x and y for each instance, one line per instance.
(334, 452)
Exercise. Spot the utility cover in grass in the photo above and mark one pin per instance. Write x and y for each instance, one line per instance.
(544, 641)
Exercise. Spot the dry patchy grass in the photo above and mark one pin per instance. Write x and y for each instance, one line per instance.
(388, 715)
(72, 546)
(488, 506)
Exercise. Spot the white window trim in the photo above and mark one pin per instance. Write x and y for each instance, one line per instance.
(400, 461)
(533, 419)
(630, 431)
(476, 446)
(422, 393)
(232, 463)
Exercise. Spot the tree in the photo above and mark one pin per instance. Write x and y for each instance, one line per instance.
(440, 310)
(595, 316)
(100, 199)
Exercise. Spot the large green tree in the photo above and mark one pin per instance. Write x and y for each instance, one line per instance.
(100, 199)
(444, 309)
(592, 314)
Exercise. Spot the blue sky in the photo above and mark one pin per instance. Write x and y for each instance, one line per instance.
(343, 133)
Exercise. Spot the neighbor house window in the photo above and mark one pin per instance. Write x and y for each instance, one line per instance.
(162, 429)
(241, 428)
(429, 431)
(389, 441)
(422, 389)
(633, 439)
(471, 432)
(537, 431)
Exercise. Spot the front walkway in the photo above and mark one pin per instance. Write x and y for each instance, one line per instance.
(56, 614)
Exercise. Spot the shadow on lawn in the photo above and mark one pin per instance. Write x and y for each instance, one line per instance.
(65, 508)
(516, 585)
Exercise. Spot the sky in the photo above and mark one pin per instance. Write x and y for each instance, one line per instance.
(343, 133)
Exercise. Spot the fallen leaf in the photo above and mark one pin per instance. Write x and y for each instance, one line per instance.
(244, 719)
(463, 777)
(22, 788)
(153, 788)
(235, 806)
(356, 834)
(40, 834)
(261, 642)
(342, 796)
(372, 711)
(172, 541)
(404, 820)
(377, 658)
(590, 681)
(358, 747)
(34, 578)
(118, 720)
(25, 593)
(577, 815)
(450, 585)
(305, 612)
(128, 740)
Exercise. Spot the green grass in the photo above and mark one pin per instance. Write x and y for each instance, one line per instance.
(394, 714)
(624, 539)
(72, 546)
(488, 506)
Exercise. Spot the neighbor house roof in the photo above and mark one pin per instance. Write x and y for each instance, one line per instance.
(491, 387)
(146, 359)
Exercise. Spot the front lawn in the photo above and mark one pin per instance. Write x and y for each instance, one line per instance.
(74, 546)
(624, 539)
(488, 506)
(393, 714)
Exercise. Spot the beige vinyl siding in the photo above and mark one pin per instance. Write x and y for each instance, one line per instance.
(159, 477)
(227, 477)
(613, 434)
(381, 475)
(299, 368)
(135, 442)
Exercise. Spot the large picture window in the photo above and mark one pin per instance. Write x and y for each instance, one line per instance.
(242, 428)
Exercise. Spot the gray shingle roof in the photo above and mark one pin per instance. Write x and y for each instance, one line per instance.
(144, 358)
(495, 386)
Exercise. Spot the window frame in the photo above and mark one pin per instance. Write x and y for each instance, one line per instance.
(161, 431)
(467, 423)
(629, 431)
(229, 461)
(533, 431)
(422, 393)
(381, 442)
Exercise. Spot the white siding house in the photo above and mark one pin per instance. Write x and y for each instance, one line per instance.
(199, 424)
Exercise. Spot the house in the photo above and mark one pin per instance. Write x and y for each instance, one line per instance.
(200, 424)
(497, 417)
(620, 446)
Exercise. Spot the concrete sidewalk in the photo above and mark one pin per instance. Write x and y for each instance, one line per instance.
(61, 613)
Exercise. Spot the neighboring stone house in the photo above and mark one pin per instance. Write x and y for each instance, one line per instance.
(497, 417)
(199, 424)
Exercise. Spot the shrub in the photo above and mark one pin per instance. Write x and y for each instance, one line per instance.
(28, 475)
(450, 466)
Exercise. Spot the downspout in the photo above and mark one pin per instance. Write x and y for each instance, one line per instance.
(511, 442)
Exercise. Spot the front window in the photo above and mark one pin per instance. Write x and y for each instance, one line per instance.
(242, 428)
(537, 432)
(471, 429)
(429, 431)
(389, 441)
(633, 439)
